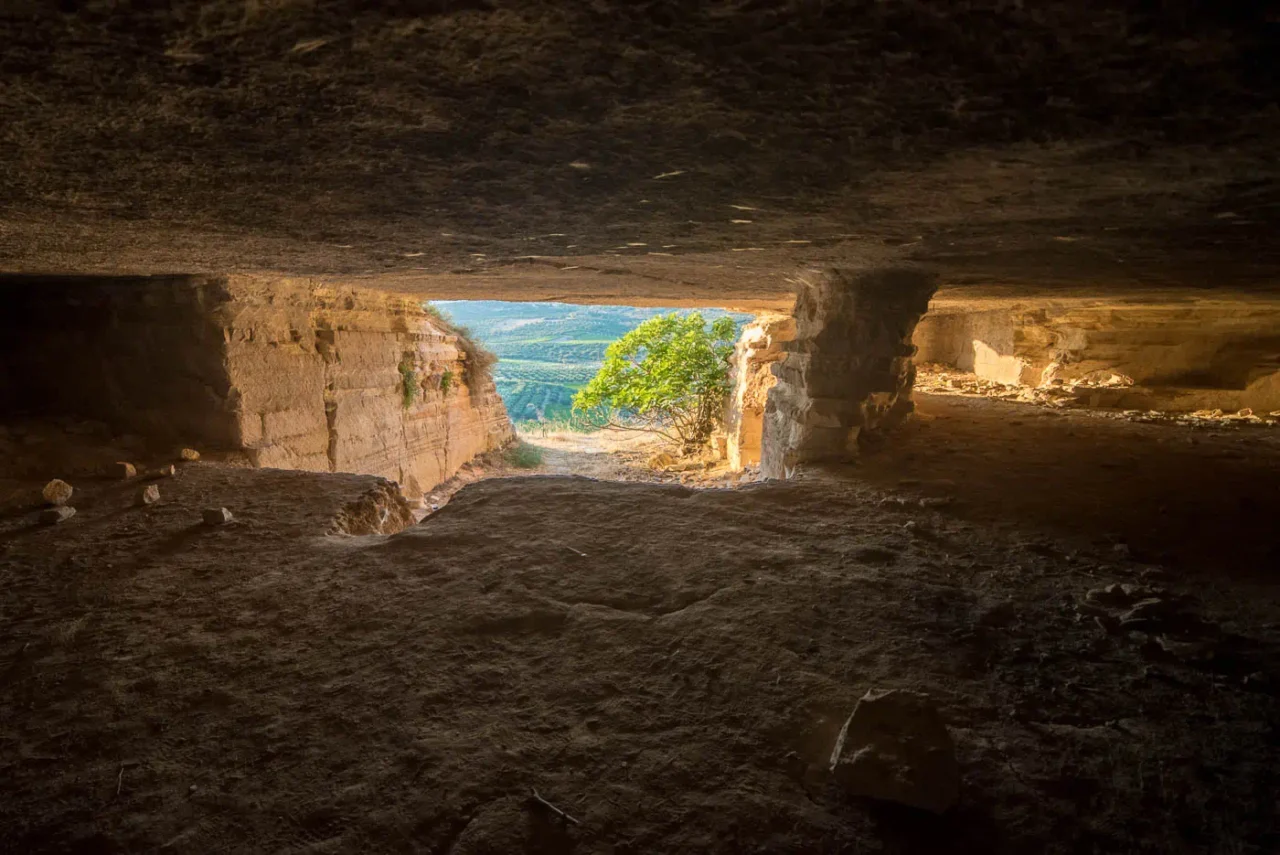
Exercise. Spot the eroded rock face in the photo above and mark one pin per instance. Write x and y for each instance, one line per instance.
(292, 375)
(848, 374)
(354, 381)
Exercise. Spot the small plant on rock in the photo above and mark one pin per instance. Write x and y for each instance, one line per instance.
(408, 384)
(446, 382)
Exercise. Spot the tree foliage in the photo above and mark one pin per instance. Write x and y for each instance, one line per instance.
(669, 375)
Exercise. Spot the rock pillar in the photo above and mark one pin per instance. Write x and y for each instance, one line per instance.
(847, 376)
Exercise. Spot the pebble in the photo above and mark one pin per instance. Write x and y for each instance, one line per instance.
(53, 516)
(122, 470)
(216, 516)
(189, 455)
(149, 495)
(57, 492)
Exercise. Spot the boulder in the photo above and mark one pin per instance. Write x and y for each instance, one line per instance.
(57, 492)
(149, 495)
(895, 747)
(216, 516)
(53, 516)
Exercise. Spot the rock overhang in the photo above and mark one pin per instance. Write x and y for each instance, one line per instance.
(659, 153)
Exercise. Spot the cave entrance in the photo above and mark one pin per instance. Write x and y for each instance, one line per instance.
(546, 352)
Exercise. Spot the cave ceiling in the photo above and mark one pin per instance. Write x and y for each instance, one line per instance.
(659, 152)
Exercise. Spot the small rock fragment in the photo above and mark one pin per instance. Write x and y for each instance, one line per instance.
(122, 470)
(57, 492)
(53, 516)
(164, 472)
(149, 496)
(189, 455)
(895, 747)
(216, 516)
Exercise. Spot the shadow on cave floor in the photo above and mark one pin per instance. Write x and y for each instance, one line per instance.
(1190, 499)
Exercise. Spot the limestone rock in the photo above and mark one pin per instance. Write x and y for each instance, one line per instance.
(189, 455)
(216, 516)
(57, 492)
(895, 747)
(165, 472)
(53, 516)
(149, 495)
(122, 470)
(1053, 353)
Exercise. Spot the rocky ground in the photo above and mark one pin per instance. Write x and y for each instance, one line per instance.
(1103, 395)
(1089, 603)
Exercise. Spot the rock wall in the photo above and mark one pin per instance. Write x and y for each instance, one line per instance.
(759, 347)
(141, 354)
(354, 381)
(292, 375)
(847, 376)
(1183, 355)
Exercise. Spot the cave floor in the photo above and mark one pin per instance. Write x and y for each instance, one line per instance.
(667, 665)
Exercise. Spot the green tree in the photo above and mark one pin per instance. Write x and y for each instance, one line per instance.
(670, 376)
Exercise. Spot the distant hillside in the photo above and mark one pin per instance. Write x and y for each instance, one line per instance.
(547, 351)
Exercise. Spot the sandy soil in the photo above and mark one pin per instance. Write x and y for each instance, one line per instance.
(627, 456)
(668, 665)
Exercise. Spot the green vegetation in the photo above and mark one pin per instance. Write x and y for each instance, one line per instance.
(669, 376)
(446, 381)
(547, 351)
(408, 384)
(522, 455)
(478, 360)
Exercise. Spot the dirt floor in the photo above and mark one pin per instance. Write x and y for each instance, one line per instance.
(668, 665)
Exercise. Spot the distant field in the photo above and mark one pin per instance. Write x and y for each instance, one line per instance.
(548, 351)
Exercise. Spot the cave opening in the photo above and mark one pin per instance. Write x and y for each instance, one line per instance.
(547, 352)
